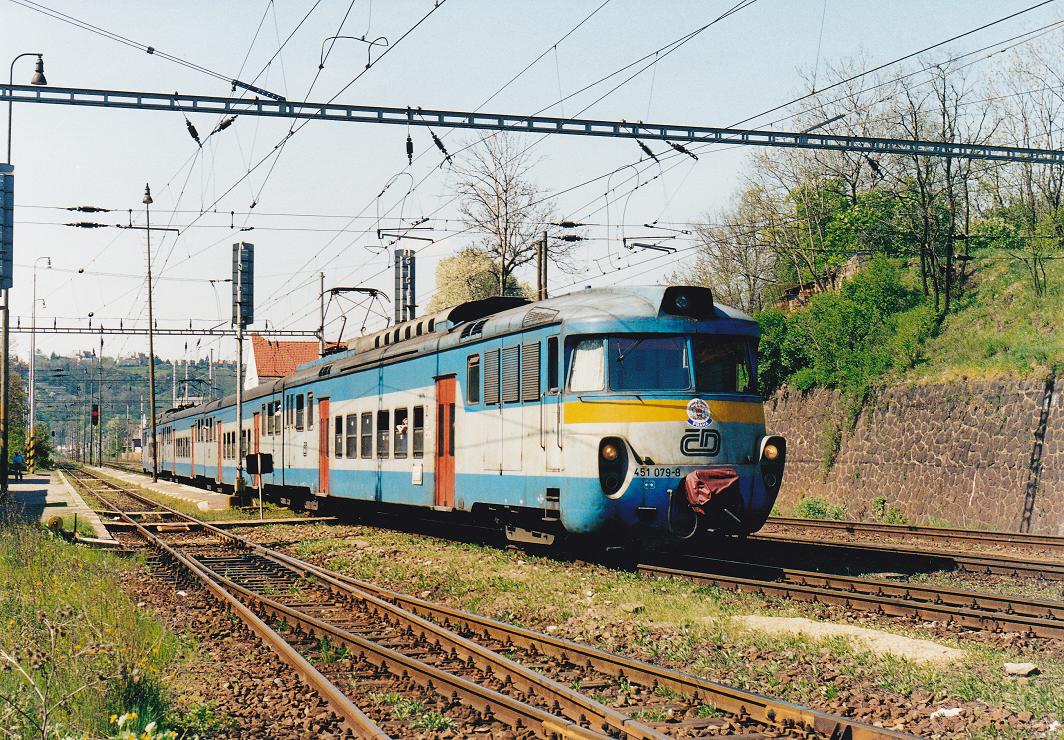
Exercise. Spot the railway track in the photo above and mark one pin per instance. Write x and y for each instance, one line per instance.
(972, 609)
(793, 548)
(502, 674)
(1045, 542)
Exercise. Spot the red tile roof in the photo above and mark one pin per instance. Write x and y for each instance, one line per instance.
(277, 359)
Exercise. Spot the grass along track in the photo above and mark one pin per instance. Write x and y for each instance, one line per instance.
(673, 701)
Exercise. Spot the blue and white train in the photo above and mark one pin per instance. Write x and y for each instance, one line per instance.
(600, 411)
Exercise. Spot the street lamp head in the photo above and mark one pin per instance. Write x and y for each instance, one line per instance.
(38, 72)
(147, 195)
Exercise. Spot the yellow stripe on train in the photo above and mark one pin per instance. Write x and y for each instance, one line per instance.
(633, 410)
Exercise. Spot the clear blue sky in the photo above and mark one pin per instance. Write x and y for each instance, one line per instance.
(80, 156)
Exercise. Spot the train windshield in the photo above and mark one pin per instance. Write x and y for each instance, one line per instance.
(658, 363)
(722, 364)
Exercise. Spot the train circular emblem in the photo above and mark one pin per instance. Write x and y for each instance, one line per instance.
(698, 413)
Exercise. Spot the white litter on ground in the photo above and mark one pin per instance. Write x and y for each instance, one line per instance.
(874, 640)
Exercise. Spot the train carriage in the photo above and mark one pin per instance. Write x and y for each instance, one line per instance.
(595, 412)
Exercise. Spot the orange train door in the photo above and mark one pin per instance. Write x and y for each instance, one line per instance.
(255, 437)
(218, 434)
(445, 442)
(323, 445)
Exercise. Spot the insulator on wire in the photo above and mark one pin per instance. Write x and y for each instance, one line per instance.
(88, 209)
(193, 132)
(646, 151)
(440, 146)
(409, 149)
(570, 238)
(567, 224)
(684, 150)
(225, 123)
(86, 225)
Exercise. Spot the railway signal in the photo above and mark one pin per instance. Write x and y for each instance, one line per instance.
(96, 414)
(243, 316)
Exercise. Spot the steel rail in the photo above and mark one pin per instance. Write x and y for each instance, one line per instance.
(868, 601)
(353, 717)
(736, 701)
(944, 534)
(985, 564)
(578, 707)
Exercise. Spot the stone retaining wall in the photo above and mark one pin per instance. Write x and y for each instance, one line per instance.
(985, 454)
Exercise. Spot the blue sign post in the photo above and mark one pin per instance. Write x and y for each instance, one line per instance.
(7, 224)
(7, 266)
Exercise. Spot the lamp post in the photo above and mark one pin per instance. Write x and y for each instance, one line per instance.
(37, 79)
(151, 342)
(33, 354)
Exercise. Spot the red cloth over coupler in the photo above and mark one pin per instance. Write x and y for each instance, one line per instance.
(703, 485)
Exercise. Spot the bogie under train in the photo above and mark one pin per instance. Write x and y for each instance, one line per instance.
(601, 411)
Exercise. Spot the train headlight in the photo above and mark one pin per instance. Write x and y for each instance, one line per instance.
(680, 301)
(771, 452)
(613, 464)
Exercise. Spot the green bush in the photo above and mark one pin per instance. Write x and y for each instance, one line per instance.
(812, 507)
(847, 339)
(887, 513)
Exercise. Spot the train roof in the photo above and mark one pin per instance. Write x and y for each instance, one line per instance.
(477, 320)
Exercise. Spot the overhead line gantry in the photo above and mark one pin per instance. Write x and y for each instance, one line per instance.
(687, 134)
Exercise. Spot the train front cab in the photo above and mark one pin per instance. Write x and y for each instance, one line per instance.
(664, 426)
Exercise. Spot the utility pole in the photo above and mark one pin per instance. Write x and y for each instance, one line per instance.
(151, 343)
(321, 315)
(173, 378)
(7, 227)
(210, 375)
(541, 269)
(99, 432)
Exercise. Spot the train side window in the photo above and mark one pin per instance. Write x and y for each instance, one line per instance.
(491, 376)
(589, 366)
(338, 437)
(352, 435)
(384, 430)
(450, 430)
(299, 411)
(367, 435)
(511, 374)
(265, 421)
(402, 432)
(552, 364)
(419, 431)
(310, 411)
(441, 414)
(473, 379)
(530, 371)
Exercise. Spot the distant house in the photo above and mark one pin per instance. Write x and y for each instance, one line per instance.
(271, 360)
(797, 295)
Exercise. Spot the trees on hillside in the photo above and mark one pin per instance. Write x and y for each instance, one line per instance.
(801, 214)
